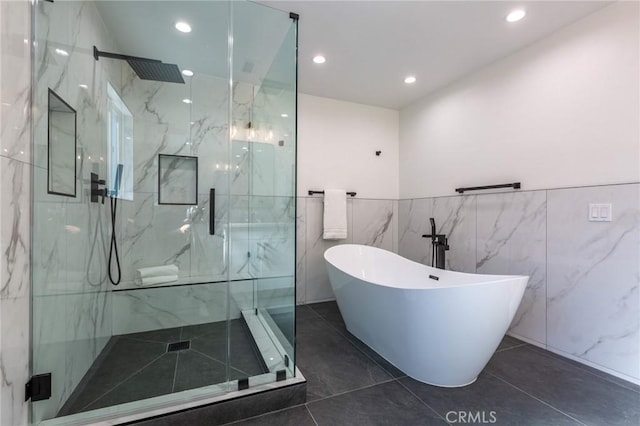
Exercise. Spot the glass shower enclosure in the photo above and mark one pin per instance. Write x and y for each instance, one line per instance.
(164, 138)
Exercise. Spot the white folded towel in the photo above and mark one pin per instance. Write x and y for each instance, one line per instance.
(159, 280)
(158, 271)
(335, 214)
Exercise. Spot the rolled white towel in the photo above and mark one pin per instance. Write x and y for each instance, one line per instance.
(158, 271)
(159, 280)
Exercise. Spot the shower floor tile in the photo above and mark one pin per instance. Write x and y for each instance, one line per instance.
(137, 366)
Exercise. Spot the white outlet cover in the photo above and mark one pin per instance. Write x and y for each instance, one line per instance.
(600, 212)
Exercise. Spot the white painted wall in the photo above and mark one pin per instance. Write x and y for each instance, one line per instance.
(337, 141)
(562, 112)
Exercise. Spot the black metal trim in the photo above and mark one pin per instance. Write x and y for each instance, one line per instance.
(38, 388)
(195, 203)
(97, 54)
(294, 16)
(75, 147)
(515, 185)
(243, 383)
(351, 193)
(212, 211)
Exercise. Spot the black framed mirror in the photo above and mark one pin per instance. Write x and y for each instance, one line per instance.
(61, 147)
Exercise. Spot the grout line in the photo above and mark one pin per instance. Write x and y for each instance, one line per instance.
(356, 346)
(420, 399)
(537, 399)
(351, 390)
(306, 405)
(609, 378)
(175, 373)
(218, 361)
(124, 380)
(511, 347)
(263, 414)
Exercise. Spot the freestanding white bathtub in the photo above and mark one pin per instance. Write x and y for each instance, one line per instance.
(441, 331)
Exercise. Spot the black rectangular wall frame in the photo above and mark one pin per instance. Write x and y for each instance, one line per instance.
(75, 146)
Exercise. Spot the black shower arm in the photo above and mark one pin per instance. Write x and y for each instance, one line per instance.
(97, 54)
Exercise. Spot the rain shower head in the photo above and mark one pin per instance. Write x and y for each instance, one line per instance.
(146, 69)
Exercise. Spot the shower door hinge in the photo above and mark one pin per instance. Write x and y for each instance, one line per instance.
(281, 375)
(294, 16)
(38, 388)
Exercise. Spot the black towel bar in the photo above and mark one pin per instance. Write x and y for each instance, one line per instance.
(515, 185)
(351, 193)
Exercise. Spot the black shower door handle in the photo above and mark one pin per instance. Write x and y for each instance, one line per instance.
(212, 211)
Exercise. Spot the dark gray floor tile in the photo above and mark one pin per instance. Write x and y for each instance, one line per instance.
(191, 331)
(243, 354)
(304, 312)
(330, 363)
(329, 312)
(296, 416)
(383, 404)
(154, 380)
(166, 335)
(488, 398)
(121, 359)
(195, 370)
(509, 342)
(588, 369)
(589, 398)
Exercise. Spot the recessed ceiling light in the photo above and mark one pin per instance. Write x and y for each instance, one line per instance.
(62, 52)
(284, 115)
(187, 73)
(515, 15)
(83, 86)
(319, 59)
(187, 101)
(183, 27)
(410, 79)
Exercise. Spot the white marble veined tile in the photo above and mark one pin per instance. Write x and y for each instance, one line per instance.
(395, 225)
(511, 240)
(15, 60)
(14, 360)
(373, 223)
(413, 222)
(208, 252)
(317, 286)
(165, 307)
(455, 217)
(14, 228)
(154, 235)
(301, 250)
(593, 277)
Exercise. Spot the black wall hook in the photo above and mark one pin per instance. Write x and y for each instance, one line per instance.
(378, 153)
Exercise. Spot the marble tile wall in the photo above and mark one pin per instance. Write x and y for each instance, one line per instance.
(15, 184)
(582, 300)
(370, 222)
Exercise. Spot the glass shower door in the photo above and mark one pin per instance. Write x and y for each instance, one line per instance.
(163, 207)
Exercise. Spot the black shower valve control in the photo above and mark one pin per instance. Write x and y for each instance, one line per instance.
(96, 191)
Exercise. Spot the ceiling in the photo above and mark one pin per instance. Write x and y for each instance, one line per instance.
(371, 46)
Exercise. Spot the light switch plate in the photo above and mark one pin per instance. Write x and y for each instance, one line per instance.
(600, 212)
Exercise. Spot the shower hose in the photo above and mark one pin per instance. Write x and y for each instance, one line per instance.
(113, 249)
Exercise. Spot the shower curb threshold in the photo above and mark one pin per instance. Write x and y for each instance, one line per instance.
(193, 399)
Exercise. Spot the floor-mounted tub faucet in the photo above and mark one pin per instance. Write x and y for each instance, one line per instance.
(439, 245)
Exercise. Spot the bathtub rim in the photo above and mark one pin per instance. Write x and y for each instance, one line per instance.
(430, 284)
